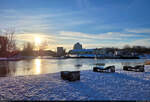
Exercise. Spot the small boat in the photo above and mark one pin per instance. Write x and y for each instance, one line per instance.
(137, 68)
(100, 67)
(104, 69)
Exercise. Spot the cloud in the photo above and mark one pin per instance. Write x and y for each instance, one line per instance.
(142, 42)
(30, 37)
(139, 42)
(109, 39)
(41, 22)
(102, 36)
(144, 30)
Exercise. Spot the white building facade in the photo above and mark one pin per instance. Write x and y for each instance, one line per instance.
(77, 46)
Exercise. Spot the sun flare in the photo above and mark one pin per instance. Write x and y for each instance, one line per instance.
(37, 41)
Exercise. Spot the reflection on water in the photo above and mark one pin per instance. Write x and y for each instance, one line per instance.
(43, 66)
(4, 69)
(37, 63)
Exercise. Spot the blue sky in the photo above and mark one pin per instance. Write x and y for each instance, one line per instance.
(94, 23)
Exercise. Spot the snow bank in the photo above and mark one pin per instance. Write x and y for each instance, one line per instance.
(121, 85)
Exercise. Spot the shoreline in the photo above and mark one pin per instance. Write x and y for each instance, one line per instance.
(18, 59)
(104, 58)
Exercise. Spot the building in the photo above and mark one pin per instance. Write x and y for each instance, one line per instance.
(77, 46)
(96, 52)
(60, 51)
(81, 51)
(99, 52)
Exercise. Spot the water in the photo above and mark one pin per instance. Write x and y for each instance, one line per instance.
(44, 66)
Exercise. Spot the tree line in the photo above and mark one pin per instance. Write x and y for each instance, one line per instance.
(137, 49)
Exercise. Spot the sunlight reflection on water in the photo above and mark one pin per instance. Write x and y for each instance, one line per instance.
(44, 66)
(37, 63)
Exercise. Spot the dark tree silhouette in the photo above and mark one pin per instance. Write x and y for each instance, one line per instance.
(7, 43)
(28, 49)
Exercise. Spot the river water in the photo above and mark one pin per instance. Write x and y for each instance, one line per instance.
(44, 66)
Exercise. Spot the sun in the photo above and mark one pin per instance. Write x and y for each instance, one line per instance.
(37, 41)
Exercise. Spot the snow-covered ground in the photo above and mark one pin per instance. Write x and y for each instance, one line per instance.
(122, 85)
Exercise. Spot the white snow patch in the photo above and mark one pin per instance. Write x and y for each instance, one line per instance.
(122, 85)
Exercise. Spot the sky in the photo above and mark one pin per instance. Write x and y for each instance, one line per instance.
(93, 23)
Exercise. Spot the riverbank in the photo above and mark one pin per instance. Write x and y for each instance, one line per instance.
(104, 57)
(68, 57)
(121, 85)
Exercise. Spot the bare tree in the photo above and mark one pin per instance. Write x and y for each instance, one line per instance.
(7, 42)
